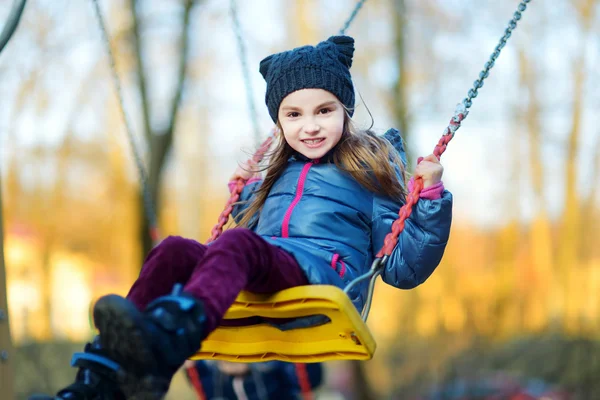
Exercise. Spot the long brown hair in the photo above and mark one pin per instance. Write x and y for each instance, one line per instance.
(369, 159)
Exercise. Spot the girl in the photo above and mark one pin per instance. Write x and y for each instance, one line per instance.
(329, 197)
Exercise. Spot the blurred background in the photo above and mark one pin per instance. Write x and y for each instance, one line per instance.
(513, 309)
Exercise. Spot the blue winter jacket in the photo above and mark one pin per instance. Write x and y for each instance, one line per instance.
(333, 226)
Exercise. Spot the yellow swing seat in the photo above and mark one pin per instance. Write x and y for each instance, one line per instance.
(344, 337)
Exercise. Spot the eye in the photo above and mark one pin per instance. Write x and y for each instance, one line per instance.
(293, 114)
(324, 111)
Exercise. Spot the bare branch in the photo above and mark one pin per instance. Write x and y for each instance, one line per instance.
(182, 71)
(141, 75)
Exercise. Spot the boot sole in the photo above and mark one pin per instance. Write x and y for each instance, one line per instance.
(123, 337)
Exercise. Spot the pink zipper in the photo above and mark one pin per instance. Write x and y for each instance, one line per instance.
(285, 226)
(334, 262)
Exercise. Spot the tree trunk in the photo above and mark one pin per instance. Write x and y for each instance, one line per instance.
(159, 143)
(592, 210)
(569, 249)
(540, 235)
(400, 94)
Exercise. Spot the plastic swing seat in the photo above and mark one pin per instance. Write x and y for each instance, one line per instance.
(344, 337)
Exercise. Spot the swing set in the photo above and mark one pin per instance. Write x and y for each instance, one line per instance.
(344, 335)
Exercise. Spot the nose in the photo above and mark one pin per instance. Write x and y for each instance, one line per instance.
(311, 128)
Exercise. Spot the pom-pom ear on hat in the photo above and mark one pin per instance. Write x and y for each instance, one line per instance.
(345, 46)
(264, 66)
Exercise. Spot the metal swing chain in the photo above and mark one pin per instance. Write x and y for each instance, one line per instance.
(147, 198)
(512, 25)
(12, 22)
(352, 16)
(258, 156)
(460, 114)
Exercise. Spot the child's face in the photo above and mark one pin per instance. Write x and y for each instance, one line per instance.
(312, 121)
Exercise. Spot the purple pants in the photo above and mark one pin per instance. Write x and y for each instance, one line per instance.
(238, 260)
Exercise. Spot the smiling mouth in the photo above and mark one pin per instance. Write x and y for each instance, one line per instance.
(313, 141)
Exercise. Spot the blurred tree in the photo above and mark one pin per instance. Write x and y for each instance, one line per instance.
(6, 348)
(540, 230)
(569, 249)
(400, 91)
(591, 207)
(7, 354)
(159, 138)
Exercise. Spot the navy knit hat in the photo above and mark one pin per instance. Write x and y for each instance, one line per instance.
(325, 66)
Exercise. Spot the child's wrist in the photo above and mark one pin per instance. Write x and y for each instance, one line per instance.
(432, 192)
(428, 183)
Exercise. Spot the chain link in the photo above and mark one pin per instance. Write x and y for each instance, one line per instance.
(12, 22)
(478, 84)
(352, 16)
(147, 198)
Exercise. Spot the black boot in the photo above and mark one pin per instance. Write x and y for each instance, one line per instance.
(153, 344)
(95, 380)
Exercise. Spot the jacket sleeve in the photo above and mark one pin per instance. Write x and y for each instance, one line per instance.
(420, 246)
(246, 196)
